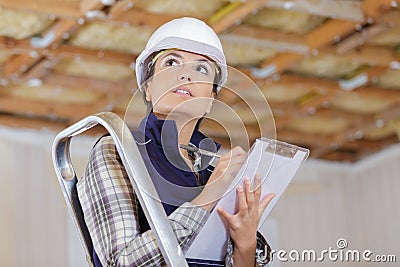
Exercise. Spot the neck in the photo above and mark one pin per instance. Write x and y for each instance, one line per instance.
(185, 127)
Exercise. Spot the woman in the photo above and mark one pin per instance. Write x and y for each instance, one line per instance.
(180, 73)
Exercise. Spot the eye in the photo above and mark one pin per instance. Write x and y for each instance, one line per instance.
(202, 68)
(171, 61)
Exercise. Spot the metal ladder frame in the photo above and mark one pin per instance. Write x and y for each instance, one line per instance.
(138, 175)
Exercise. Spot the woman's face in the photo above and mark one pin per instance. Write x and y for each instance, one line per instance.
(182, 84)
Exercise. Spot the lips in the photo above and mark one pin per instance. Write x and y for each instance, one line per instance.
(183, 91)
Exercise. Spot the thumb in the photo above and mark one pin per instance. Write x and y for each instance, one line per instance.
(225, 215)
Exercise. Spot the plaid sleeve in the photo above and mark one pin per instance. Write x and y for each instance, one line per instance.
(110, 208)
(263, 251)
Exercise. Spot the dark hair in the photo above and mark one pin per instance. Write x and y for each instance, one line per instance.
(150, 73)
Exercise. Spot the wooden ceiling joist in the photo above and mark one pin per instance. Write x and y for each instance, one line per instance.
(325, 85)
(278, 63)
(360, 38)
(325, 90)
(59, 31)
(68, 51)
(362, 78)
(267, 34)
(37, 61)
(390, 19)
(237, 15)
(328, 32)
(304, 139)
(288, 109)
(316, 103)
(389, 114)
(56, 8)
(136, 17)
(87, 83)
(15, 46)
(380, 56)
(370, 55)
(39, 70)
(268, 38)
(52, 38)
(356, 131)
(88, 5)
(71, 112)
(17, 65)
(316, 39)
(375, 72)
(347, 153)
(120, 8)
(340, 9)
(350, 117)
(373, 8)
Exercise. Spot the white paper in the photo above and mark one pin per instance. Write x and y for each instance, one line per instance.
(276, 172)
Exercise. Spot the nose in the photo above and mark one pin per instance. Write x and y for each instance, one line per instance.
(184, 77)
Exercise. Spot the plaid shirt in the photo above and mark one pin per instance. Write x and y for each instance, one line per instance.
(110, 208)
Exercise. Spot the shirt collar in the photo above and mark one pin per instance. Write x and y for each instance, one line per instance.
(165, 133)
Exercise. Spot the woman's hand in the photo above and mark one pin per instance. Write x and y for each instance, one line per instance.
(243, 225)
(222, 176)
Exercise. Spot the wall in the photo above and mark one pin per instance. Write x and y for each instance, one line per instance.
(328, 201)
(35, 226)
(325, 202)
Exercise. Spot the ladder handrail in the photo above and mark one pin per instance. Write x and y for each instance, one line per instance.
(137, 172)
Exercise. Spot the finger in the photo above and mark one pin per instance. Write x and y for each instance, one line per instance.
(264, 203)
(225, 215)
(257, 186)
(237, 150)
(229, 162)
(237, 160)
(242, 199)
(249, 193)
(237, 153)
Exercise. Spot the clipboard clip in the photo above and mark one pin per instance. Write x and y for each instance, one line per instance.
(280, 148)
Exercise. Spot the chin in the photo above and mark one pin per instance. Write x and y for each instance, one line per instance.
(176, 112)
(179, 106)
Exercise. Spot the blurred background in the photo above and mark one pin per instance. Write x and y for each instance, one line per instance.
(329, 69)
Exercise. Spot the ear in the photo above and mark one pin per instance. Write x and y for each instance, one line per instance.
(147, 91)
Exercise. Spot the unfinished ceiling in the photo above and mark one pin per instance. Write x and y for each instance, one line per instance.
(330, 69)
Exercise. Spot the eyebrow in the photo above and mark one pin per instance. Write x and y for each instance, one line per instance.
(172, 54)
(205, 61)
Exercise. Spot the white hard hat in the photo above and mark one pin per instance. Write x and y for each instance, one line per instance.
(188, 34)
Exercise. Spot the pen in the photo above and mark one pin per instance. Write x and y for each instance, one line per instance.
(199, 150)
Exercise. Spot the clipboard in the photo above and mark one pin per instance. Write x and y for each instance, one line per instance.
(277, 162)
